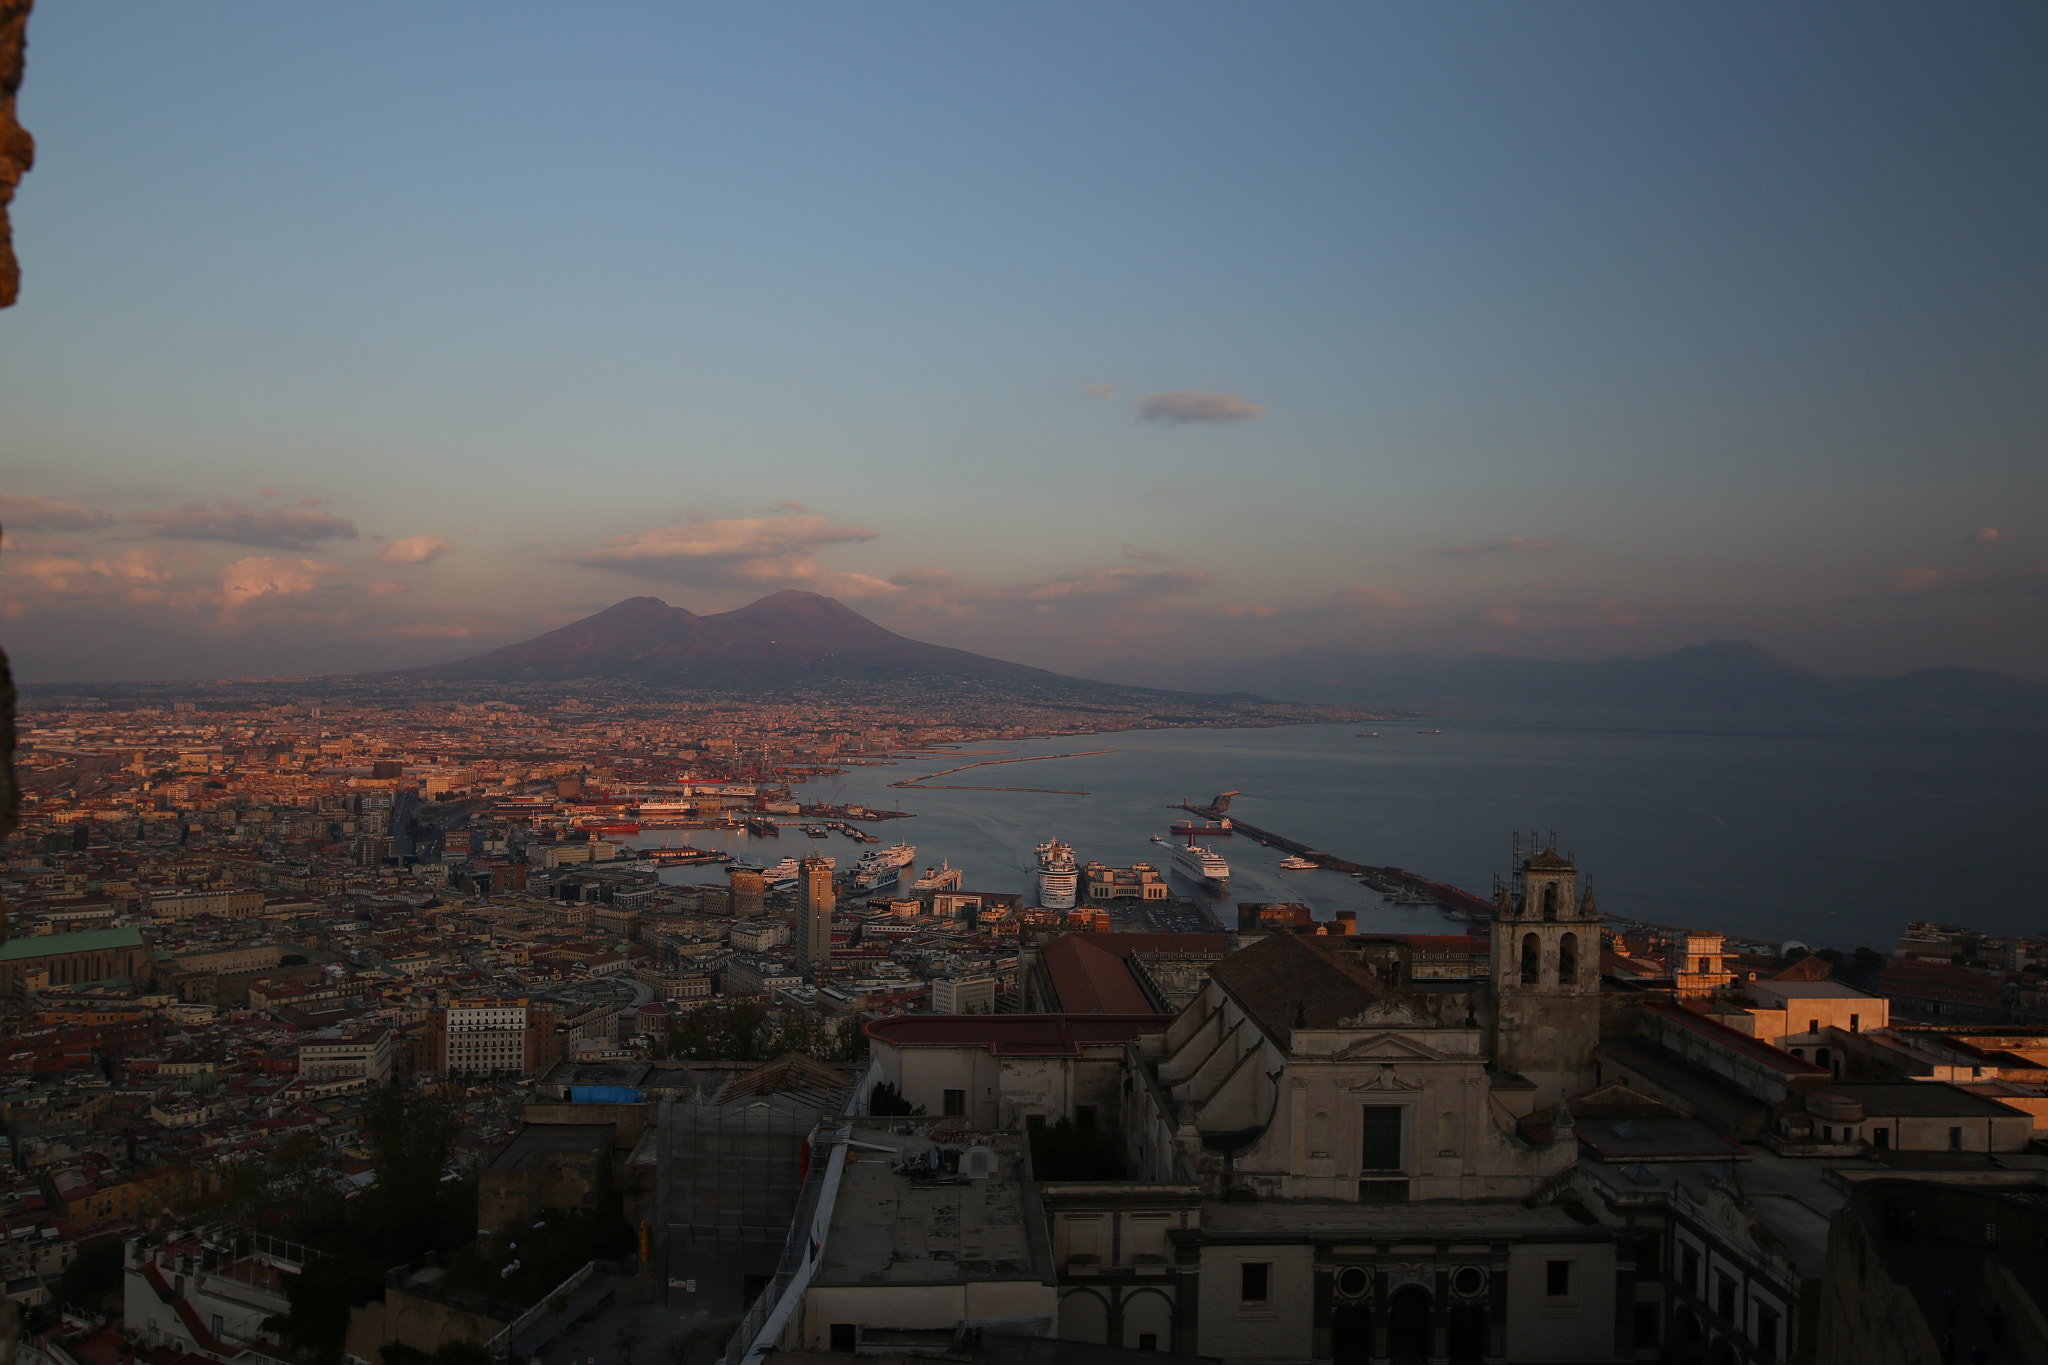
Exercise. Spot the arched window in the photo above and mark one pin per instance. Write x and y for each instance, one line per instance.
(1447, 1133)
(1550, 902)
(1319, 1135)
(1529, 950)
(1568, 960)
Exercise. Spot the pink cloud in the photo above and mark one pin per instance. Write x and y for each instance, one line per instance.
(263, 581)
(778, 551)
(384, 587)
(1908, 581)
(1990, 535)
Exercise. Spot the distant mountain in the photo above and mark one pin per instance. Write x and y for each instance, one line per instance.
(1721, 675)
(787, 637)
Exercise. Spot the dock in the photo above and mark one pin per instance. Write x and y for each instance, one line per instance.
(1388, 881)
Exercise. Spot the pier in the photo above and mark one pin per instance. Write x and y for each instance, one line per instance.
(1389, 881)
(992, 762)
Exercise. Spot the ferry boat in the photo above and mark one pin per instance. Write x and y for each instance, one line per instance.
(1296, 863)
(1059, 879)
(881, 868)
(1204, 863)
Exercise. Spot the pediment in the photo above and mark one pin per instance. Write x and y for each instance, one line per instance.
(1380, 1079)
(1384, 1014)
(1388, 1047)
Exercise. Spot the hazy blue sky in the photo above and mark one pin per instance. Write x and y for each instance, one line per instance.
(358, 335)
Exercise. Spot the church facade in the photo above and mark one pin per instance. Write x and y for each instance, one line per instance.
(1336, 1160)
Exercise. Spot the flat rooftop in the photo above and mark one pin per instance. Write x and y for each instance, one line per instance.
(1809, 990)
(1922, 1099)
(1449, 1218)
(895, 1228)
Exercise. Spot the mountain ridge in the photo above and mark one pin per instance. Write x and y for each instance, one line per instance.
(1716, 675)
(787, 635)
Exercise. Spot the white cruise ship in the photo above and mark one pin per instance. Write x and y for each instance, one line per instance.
(944, 877)
(1197, 861)
(1059, 879)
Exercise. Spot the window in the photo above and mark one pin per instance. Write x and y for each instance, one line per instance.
(1955, 1139)
(1724, 1295)
(218, 1327)
(1813, 1026)
(1568, 960)
(1827, 1132)
(956, 1103)
(1148, 1341)
(1256, 1281)
(845, 1339)
(1689, 1261)
(1084, 1115)
(1767, 1330)
(1855, 1023)
(1381, 1146)
(1882, 1137)
(1646, 1325)
(1529, 950)
(1557, 1279)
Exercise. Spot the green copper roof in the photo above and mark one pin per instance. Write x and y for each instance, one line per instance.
(49, 945)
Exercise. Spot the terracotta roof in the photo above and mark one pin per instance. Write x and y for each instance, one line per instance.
(1289, 981)
(1090, 979)
(1015, 1035)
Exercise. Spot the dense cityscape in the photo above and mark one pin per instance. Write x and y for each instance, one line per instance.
(261, 939)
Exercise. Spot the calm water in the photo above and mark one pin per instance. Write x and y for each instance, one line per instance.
(1828, 832)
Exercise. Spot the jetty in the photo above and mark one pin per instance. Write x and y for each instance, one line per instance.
(990, 763)
(1389, 881)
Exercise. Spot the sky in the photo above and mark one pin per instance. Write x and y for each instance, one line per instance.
(1079, 334)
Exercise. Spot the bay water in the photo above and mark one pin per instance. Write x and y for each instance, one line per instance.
(1828, 832)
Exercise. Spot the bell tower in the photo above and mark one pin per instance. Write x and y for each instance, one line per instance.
(1546, 974)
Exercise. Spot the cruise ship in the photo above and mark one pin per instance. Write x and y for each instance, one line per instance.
(1059, 880)
(784, 873)
(881, 868)
(1204, 863)
(944, 877)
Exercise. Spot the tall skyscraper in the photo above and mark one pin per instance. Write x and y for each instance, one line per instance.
(749, 892)
(814, 913)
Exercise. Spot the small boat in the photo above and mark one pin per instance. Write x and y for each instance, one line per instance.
(1429, 732)
(1297, 863)
(1374, 735)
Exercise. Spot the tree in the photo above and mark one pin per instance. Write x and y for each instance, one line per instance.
(88, 1280)
(886, 1101)
(292, 960)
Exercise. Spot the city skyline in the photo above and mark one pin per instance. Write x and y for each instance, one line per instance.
(1067, 337)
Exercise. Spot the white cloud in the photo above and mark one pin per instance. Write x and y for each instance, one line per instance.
(1183, 406)
(415, 550)
(261, 581)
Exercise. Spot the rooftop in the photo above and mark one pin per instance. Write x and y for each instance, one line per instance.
(890, 1227)
(50, 945)
(1015, 1035)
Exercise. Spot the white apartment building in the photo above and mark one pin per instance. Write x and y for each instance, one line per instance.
(964, 995)
(334, 1055)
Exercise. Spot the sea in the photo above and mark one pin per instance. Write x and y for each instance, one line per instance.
(1825, 832)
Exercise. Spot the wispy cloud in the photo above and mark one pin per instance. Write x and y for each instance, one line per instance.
(276, 528)
(1117, 583)
(1183, 406)
(1099, 390)
(19, 512)
(1521, 545)
(1366, 595)
(1990, 535)
(1152, 556)
(777, 551)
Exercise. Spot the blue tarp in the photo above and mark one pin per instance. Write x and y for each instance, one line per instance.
(603, 1094)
